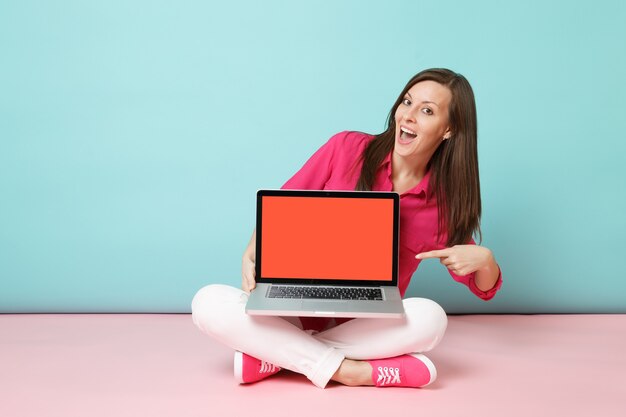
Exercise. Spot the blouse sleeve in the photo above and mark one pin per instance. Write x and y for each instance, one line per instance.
(469, 280)
(317, 170)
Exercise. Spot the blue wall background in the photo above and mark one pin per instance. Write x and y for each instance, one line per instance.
(134, 134)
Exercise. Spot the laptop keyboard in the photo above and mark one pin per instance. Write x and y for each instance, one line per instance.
(333, 293)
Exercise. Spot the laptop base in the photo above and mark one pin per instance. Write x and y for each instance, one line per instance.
(391, 307)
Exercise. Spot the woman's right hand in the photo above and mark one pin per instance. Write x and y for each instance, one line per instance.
(248, 274)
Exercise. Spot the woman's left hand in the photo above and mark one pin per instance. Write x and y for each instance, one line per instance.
(461, 259)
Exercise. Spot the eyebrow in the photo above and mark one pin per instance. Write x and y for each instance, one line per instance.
(425, 101)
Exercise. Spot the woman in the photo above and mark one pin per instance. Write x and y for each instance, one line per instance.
(428, 155)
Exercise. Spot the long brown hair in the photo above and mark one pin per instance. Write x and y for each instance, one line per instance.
(454, 165)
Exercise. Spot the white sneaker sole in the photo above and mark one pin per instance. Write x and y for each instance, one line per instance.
(429, 364)
(238, 367)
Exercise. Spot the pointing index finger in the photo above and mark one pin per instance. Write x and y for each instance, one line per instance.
(442, 253)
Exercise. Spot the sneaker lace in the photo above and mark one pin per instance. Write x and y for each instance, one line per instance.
(388, 375)
(267, 367)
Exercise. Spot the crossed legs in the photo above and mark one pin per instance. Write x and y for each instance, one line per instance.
(219, 311)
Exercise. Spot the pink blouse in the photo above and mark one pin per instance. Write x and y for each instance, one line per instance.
(336, 166)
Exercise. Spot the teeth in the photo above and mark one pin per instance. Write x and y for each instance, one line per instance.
(405, 130)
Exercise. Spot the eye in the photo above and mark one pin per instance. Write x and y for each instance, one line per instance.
(406, 102)
(427, 110)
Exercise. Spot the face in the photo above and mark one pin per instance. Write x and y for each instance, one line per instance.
(422, 120)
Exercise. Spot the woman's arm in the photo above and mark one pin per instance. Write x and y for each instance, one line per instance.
(248, 281)
(467, 259)
(487, 276)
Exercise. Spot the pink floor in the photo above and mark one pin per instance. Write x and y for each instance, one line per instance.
(160, 365)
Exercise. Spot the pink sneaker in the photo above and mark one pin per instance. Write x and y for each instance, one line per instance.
(249, 369)
(412, 370)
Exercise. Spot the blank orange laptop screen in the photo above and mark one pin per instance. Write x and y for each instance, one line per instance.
(327, 238)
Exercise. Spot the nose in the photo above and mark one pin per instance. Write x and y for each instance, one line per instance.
(408, 114)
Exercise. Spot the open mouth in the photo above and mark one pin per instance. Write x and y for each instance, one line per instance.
(406, 135)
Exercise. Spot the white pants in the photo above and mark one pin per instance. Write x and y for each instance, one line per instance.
(219, 311)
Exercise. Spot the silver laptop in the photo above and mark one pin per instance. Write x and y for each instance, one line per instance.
(327, 254)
